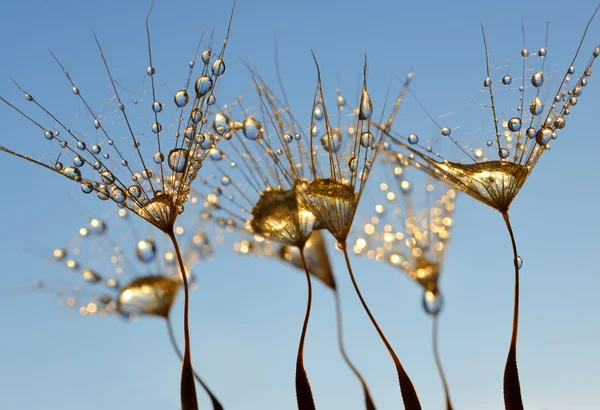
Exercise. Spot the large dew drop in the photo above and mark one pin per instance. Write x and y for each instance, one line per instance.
(145, 250)
(366, 106)
(181, 98)
(203, 85)
(178, 159)
(252, 129)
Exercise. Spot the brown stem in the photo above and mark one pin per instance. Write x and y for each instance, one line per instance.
(213, 399)
(438, 362)
(409, 395)
(303, 391)
(189, 401)
(512, 387)
(369, 404)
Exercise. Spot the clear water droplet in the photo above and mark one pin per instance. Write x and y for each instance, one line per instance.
(225, 180)
(102, 193)
(81, 145)
(107, 177)
(514, 124)
(157, 106)
(531, 132)
(318, 112)
(353, 164)
(519, 262)
(145, 250)
(367, 139)
(252, 129)
(446, 131)
(536, 107)
(432, 302)
(75, 90)
(487, 82)
(150, 71)
(334, 144)
(489, 143)
(78, 161)
(48, 135)
(196, 115)
(216, 154)
(537, 80)
(218, 67)
(366, 106)
(413, 138)
(506, 80)
(287, 138)
(86, 187)
(118, 195)
(178, 159)
(525, 53)
(211, 100)
(560, 123)
(542, 52)
(544, 136)
(181, 98)
(203, 85)
(159, 158)
(206, 56)
(503, 153)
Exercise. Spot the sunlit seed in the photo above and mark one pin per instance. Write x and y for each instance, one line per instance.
(446, 131)
(252, 129)
(203, 85)
(366, 106)
(157, 106)
(159, 158)
(413, 138)
(178, 159)
(218, 67)
(506, 80)
(536, 107)
(537, 79)
(181, 98)
(514, 124)
(367, 139)
(544, 136)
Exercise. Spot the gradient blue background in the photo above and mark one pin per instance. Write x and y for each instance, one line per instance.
(246, 315)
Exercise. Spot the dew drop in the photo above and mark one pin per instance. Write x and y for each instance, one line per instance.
(560, 123)
(196, 115)
(102, 193)
(252, 129)
(514, 124)
(58, 166)
(542, 52)
(145, 250)
(446, 131)
(203, 85)
(367, 139)
(118, 195)
(222, 124)
(531, 132)
(81, 145)
(107, 177)
(297, 137)
(506, 80)
(225, 180)
(487, 82)
(334, 144)
(48, 135)
(156, 127)
(544, 136)
(218, 67)
(432, 302)
(28, 97)
(503, 153)
(353, 164)
(78, 161)
(150, 70)
(287, 138)
(178, 159)
(536, 107)
(147, 174)
(318, 112)
(216, 154)
(159, 158)
(571, 70)
(366, 106)
(525, 53)
(537, 79)
(75, 90)
(519, 262)
(211, 100)
(134, 191)
(413, 138)
(181, 98)
(86, 187)
(157, 106)
(206, 56)
(489, 143)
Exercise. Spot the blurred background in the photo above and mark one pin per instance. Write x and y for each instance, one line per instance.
(246, 314)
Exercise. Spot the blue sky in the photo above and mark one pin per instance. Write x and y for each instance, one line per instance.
(247, 313)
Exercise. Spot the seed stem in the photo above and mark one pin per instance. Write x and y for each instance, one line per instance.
(438, 361)
(369, 404)
(409, 395)
(189, 400)
(213, 399)
(303, 391)
(512, 386)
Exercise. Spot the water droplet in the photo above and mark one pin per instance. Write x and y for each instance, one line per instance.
(413, 138)
(86, 187)
(252, 129)
(48, 135)
(145, 250)
(353, 164)
(503, 153)
(28, 97)
(225, 180)
(156, 127)
(203, 85)
(206, 141)
(334, 144)
(536, 107)
(216, 154)
(58, 166)
(122, 106)
(64, 144)
(519, 262)
(489, 143)
(218, 67)
(367, 139)
(181, 98)
(159, 158)
(318, 112)
(222, 124)
(287, 138)
(206, 56)
(487, 82)
(81, 145)
(542, 52)
(432, 302)
(118, 195)
(196, 115)
(544, 136)
(178, 159)
(366, 106)
(107, 177)
(147, 174)
(446, 131)
(102, 193)
(596, 52)
(571, 70)
(75, 90)
(341, 102)
(211, 100)
(150, 71)
(560, 123)
(514, 124)
(78, 161)
(297, 137)
(537, 79)
(157, 106)
(531, 132)
(525, 53)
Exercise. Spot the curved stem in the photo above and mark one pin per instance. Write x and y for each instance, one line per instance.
(512, 387)
(409, 395)
(213, 399)
(369, 404)
(189, 400)
(303, 391)
(438, 362)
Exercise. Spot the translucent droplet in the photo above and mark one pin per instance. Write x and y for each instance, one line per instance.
(150, 71)
(542, 52)
(134, 191)
(525, 52)
(560, 123)
(206, 56)
(287, 138)
(297, 137)
(145, 250)
(178, 159)
(413, 138)
(353, 164)
(196, 115)
(211, 100)
(225, 180)
(216, 154)
(506, 80)
(86, 187)
(181, 98)
(157, 106)
(78, 161)
(367, 139)
(531, 132)
(366, 106)
(432, 302)
(48, 135)
(203, 85)
(107, 177)
(519, 262)
(571, 70)
(514, 124)
(102, 193)
(252, 129)
(81, 145)
(318, 112)
(75, 90)
(96, 124)
(118, 195)
(159, 158)
(503, 153)
(334, 144)
(222, 124)
(544, 136)
(446, 131)
(218, 67)
(341, 102)
(537, 79)
(28, 97)
(536, 107)
(487, 82)
(489, 143)
(156, 127)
